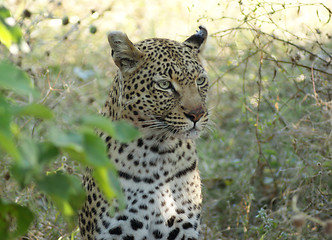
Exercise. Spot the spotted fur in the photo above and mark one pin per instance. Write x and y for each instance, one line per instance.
(161, 88)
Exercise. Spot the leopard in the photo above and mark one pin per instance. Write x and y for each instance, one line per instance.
(161, 88)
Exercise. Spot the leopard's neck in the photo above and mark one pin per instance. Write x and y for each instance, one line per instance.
(149, 158)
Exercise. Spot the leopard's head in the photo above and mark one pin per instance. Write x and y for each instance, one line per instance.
(161, 85)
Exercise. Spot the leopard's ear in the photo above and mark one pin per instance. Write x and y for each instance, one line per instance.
(197, 40)
(125, 55)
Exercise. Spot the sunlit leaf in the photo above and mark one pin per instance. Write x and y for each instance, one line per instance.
(9, 34)
(64, 206)
(5, 35)
(108, 183)
(103, 181)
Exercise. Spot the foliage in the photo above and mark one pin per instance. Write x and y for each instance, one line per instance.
(10, 211)
(9, 35)
(30, 157)
(265, 163)
(274, 127)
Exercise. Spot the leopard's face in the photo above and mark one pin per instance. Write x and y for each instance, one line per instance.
(166, 91)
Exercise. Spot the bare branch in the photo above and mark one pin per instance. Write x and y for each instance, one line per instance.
(273, 37)
(299, 65)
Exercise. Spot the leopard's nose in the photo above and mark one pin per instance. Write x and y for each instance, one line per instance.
(195, 115)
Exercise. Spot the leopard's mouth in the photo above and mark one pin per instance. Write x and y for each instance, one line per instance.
(167, 128)
(191, 131)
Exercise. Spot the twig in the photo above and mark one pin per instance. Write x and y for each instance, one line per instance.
(219, 79)
(233, 68)
(299, 65)
(281, 118)
(258, 106)
(244, 87)
(313, 84)
(275, 38)
(296, 210)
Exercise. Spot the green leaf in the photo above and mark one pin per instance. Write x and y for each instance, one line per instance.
(7, 143)
(65, 191)
(69, 141)
(29, 152)
(57, 184)
(86, 147)
(100, 122)
(116, 186)
(47, 152)
(8, 34)
(270, 152)
(34, 156)
(125, 132)
(27, 167)
(95, 149)
(83, 146)
(15, 79)
(4, 12)
(34, 110)
(121, 130)
(5, 35)
(101, 176)
(12, 214)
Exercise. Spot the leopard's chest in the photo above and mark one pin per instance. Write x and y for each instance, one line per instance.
(162, 188)
(151, 160)
(160, 181)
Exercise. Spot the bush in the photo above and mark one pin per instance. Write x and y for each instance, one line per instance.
(31, 158)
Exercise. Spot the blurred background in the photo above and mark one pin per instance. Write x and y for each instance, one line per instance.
(266, 158)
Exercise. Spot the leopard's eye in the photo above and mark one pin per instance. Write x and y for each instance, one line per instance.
(200, 81)
(164, 84)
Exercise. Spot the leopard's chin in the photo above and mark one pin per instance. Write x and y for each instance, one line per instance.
(192, 134)
(191, 131)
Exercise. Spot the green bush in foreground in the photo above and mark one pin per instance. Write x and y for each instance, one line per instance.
(31, 158)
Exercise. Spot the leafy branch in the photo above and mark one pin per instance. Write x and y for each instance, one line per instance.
(29, 158)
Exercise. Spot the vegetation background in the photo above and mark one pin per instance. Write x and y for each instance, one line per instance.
(265, 161)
